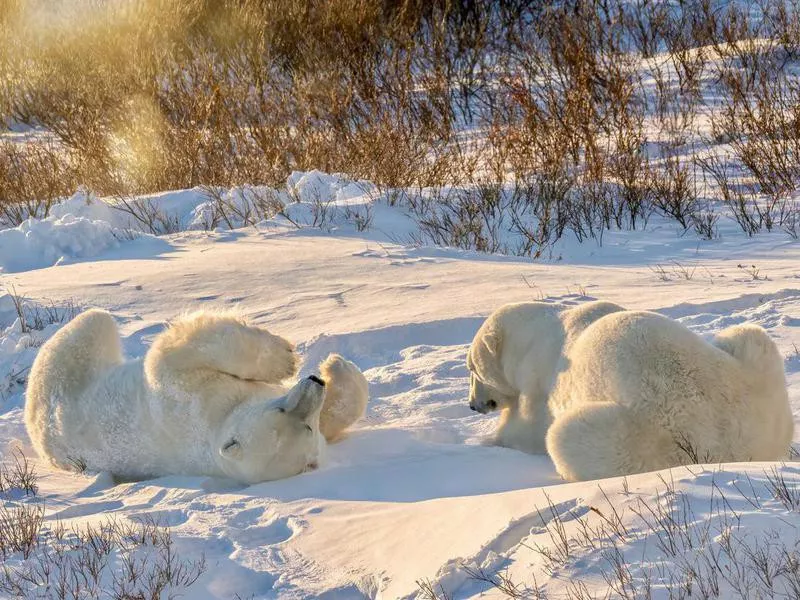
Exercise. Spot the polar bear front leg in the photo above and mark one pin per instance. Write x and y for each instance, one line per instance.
(346, 395)
(205, 341)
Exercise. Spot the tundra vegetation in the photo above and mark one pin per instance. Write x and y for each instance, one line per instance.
(544, 119)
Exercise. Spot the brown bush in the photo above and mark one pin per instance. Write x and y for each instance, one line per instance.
(159, 94)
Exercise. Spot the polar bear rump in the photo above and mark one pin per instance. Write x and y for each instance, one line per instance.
(643, 393)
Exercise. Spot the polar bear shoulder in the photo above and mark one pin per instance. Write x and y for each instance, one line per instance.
(577, 319)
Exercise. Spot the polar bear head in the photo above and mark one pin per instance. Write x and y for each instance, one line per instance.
(489, 389)
(485, 398)
(514, 352)
(263, 440)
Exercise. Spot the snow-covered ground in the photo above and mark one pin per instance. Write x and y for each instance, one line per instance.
(412, 497)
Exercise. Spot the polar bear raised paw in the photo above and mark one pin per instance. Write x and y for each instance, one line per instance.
(346, 395)
(220, 342)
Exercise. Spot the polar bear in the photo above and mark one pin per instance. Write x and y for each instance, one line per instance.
(630, 391)
(513, 362)
(641, 392)
(207, 399)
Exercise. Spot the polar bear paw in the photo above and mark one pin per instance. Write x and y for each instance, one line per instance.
(347, 392)
(277, 359)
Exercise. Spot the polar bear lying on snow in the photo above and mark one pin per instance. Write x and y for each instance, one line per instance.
(206, 399)
(631, 391)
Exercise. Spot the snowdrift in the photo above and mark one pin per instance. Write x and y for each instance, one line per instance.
(413, 501)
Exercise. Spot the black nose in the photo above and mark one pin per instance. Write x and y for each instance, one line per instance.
(471, 407)
(316, 379)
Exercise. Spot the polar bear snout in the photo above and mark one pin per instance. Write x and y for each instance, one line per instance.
(305, 399)
(483, 407)
(484, 398)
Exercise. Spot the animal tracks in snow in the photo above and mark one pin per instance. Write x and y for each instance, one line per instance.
(273, 533)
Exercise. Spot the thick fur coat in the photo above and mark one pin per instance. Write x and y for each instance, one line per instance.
(514, 361)
(207, 399)
(632, 391)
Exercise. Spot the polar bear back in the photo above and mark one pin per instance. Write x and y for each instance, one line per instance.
(69, 363)
(111, 428)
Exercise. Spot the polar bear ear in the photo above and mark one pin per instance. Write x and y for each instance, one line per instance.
(232, 449)
(486, 359)
(491, 342)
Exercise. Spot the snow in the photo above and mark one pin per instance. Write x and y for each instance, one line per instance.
(315, 185)
(85, 226)
(413, 493)
(37, 243)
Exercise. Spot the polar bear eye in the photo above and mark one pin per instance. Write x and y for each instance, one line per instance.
(232, 450)
(309, 428)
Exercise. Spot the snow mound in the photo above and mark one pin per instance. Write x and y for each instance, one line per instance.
(41, 243)
(237, 207)
(85, 204)
(316, 186)
(85, 226)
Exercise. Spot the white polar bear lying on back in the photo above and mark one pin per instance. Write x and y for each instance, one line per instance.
(636, 391)
(205, 400)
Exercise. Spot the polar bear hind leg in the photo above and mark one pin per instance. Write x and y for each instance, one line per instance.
(218, 344)
(346, 395)
(603, 439)
(77, 355)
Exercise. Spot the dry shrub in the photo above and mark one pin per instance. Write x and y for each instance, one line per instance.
(18, 474)
(108, 559)
(162, 94)
(32, 176)
(158, 94)
(34, 316)
(675, 191)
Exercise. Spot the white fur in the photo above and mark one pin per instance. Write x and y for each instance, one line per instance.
(207, 399)
(514, 360)
(346, 395)
(608, 392)
(642, 392)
